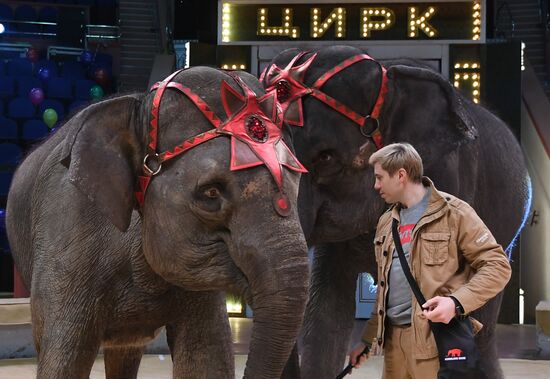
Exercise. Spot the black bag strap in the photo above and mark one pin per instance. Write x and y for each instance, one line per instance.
(404, 265)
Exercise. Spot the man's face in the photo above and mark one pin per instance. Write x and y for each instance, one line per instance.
(389, 187)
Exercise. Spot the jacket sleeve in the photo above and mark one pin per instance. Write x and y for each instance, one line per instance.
(487, 258)
(371, 328)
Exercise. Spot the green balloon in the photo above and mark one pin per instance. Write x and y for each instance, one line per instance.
(50, 117)
(96, 92)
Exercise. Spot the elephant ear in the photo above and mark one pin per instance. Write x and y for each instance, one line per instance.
(464, 123)
(101, 151)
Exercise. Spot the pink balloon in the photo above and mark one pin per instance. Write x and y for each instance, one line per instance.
(36, 96)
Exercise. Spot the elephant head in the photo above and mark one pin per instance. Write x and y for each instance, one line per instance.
(205, 155)
(345, 105)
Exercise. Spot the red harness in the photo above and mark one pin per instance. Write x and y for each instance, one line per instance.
(290, 88)
(254, 125)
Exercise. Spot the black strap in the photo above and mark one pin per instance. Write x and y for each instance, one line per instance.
(404, 265)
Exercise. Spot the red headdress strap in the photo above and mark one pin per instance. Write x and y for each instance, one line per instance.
(254, 125)
(289, 82)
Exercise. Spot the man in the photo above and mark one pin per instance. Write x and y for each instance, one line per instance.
(452, 255)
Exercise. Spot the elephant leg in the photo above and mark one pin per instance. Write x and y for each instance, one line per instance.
(200, 338)
(330, 313)
(67, 348)
(122, 362)
(292, 368)
(486, 339)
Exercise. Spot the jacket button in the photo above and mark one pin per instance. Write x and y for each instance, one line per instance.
(380, 312)
(382, 283)
(385, 253)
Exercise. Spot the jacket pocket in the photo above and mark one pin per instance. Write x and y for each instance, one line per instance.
(435, 247)
(476, 325)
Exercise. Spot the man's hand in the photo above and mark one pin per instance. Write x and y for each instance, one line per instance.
(355, 357)
(439, 309)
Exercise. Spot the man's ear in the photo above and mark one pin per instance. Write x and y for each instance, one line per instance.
(402, 174)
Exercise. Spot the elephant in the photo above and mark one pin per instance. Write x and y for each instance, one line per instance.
(119, 229)
(344, 105)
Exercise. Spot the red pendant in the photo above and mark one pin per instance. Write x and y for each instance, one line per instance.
(281, 204)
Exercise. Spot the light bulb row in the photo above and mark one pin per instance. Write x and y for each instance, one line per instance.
(226, 21)
(476, 15)
(233, 67)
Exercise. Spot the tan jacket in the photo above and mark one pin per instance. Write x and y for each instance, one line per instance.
(452, 254)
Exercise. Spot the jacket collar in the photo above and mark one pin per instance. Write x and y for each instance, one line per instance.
(437, 205)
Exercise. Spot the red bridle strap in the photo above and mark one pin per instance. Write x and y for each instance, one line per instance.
(148, 172)
(299, 90)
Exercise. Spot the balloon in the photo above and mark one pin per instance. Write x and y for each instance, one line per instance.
(44, 73)
(86, 56)
(50, 117)
(32, 54)
(101, 77)
(96, 92)
(36, 96)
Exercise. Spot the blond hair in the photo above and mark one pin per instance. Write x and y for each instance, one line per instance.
(399, 155)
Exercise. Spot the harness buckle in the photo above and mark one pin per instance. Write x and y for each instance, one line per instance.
(374, 126)
(148, 171)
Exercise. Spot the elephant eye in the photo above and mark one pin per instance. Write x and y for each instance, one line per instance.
(212, 193)
(325, 157)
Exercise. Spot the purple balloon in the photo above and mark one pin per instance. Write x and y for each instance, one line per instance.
(44, 73)
(36, 96)
(86, 56)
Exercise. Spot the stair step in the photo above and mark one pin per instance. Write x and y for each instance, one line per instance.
(140, 13)
(131, 68)
(127, 41)
(142, 35)
(138, 28)
(135, 53)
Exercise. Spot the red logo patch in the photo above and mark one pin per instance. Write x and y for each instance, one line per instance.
(405, 233)
(455, 355)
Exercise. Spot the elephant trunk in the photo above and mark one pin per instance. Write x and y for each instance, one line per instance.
(279, 282)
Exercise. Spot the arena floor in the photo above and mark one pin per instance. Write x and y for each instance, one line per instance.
(519, 357)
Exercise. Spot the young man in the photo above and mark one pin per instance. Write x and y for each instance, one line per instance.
(452, 255)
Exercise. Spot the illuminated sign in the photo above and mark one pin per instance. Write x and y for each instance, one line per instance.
(253, 22)
(467, 74)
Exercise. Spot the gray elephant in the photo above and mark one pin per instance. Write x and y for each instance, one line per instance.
(345, 105)
(103, 272)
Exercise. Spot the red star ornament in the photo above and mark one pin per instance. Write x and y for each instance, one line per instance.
(288, 84)
(255, 127)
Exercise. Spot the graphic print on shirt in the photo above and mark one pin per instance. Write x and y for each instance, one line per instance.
(405, 233)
